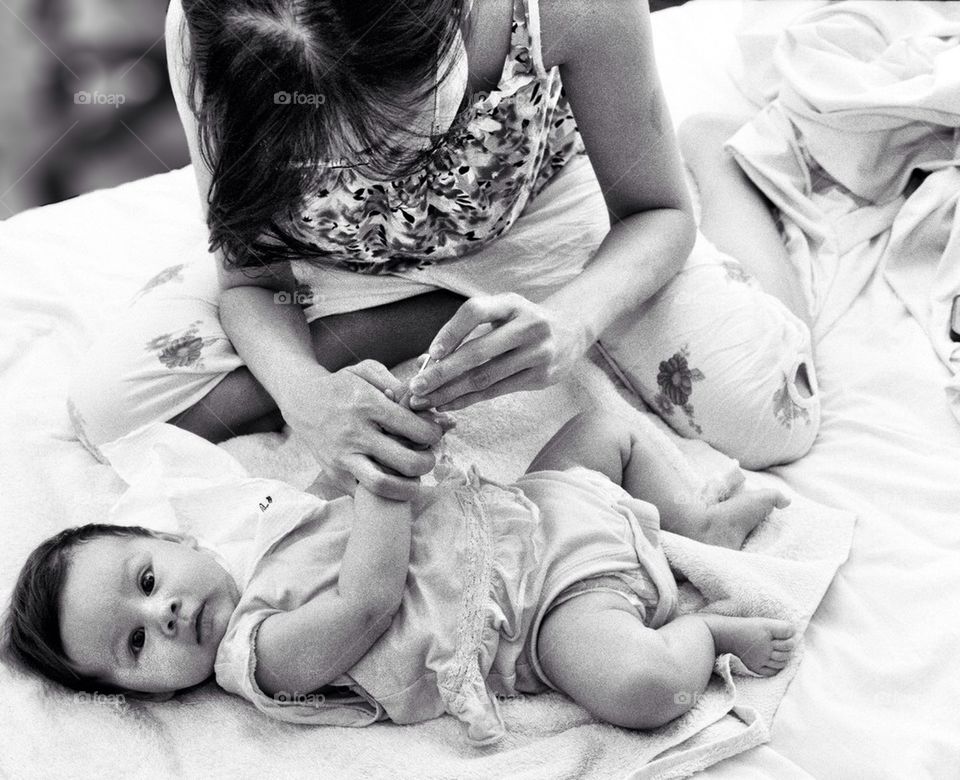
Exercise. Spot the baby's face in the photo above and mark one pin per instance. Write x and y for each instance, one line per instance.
(143, 613)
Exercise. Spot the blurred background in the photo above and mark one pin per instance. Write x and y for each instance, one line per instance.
(85, 101)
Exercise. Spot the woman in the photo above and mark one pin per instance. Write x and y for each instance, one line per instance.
(379, 166)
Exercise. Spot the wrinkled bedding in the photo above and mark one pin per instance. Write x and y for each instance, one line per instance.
(876, 693)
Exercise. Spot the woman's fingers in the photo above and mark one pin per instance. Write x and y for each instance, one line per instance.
(378, 407)
(481, 378)
(406, 424)
(476, 356)
(525, 380)
(358, 434)
(474, 312)
(526, 339)
(374, 479)
(394, 455)
(384, 467)
(377, 375)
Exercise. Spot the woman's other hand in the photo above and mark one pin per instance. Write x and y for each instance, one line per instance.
(527, 346)
(358, 434)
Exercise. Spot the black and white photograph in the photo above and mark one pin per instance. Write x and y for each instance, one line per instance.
(441, 389)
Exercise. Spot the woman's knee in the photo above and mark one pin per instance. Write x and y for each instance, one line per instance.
(779, 428)
(95, 406)
(760, 414)
(162, 354)
(722, 361)
(125, 380)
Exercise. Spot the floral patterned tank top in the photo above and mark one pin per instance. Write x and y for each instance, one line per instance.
(505, 145)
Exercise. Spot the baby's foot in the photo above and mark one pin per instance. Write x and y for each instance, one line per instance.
(763, 644)
(728, 523)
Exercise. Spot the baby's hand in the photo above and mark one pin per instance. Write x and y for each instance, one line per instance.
(443, 419)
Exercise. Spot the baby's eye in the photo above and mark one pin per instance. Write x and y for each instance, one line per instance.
(146, 582)
(136, 640)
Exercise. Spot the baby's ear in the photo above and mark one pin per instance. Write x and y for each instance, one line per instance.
(190, 541)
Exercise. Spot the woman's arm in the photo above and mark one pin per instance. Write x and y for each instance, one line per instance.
(309, 647)
(604, 49)
(353, 430)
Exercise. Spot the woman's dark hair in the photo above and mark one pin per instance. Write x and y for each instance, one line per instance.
(288, 85)
(32, 638)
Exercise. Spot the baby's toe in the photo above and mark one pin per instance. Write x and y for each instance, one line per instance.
(783, 631)
(780, 655)
(767, 671)
(786, 649)
(772, 499)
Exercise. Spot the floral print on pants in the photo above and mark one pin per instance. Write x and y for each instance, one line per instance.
(675, 380)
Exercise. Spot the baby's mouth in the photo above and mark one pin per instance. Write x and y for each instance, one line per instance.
(198, 621)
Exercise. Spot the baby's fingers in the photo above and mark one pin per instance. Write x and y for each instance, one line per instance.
(444, 419)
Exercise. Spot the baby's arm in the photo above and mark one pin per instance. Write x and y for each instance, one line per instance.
(309, 647)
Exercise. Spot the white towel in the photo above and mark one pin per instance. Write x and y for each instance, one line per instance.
(784, 571)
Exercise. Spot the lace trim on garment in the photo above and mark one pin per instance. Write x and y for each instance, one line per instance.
(461, 684)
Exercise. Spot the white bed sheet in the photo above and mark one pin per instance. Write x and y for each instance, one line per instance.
(877, 693)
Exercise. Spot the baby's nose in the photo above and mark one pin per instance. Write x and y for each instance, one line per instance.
(170, 616)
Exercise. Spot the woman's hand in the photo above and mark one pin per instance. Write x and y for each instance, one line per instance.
(530, 346)
(358, 434)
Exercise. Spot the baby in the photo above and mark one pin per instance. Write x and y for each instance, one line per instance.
(358, 609)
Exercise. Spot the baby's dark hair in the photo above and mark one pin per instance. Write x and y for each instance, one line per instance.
(374, 65)
(32, 638)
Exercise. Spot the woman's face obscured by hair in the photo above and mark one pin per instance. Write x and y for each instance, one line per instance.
(368, 73)
(143, 613)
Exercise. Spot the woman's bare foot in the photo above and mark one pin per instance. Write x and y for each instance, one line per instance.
(729, 523)
(763, 644)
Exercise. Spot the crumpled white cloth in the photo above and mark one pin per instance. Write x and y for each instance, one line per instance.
(922, 265)
(860, 97)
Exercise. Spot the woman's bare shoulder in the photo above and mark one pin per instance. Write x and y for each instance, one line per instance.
(574, 28)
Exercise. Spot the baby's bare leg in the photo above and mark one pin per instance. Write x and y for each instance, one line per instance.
(596, 649)
(595, 440)
(614, 446)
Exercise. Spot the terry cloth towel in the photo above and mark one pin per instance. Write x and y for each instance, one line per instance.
(861, 96)
(783, 571)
